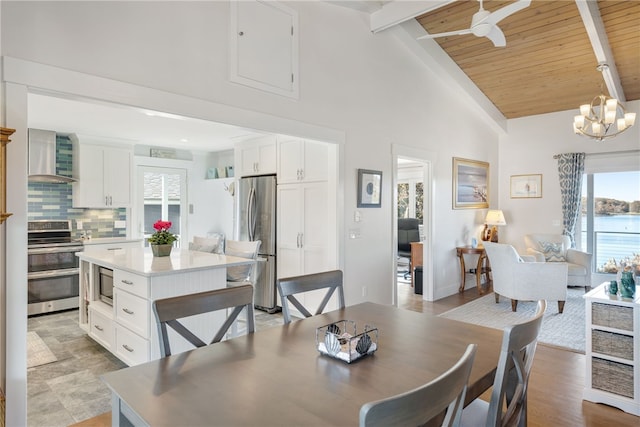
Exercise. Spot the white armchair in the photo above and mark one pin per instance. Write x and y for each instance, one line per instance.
(525, 281)
(557, 248)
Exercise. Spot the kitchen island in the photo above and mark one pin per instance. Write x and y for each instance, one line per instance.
(118, 288)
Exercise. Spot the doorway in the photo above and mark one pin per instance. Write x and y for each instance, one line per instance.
(413, 194)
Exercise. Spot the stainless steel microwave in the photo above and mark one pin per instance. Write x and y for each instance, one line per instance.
(105, 284)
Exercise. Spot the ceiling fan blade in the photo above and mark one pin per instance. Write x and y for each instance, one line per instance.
(497, 37)
(502, 13)
(450, 33)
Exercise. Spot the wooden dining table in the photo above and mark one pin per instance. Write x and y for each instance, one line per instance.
(277, 376)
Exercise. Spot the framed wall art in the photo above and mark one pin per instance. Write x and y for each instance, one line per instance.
(470, 184)
(526, 186)
(369, 188)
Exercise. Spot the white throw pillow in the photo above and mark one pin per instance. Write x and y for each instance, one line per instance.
(239, 273)
(215, 242)
(553, 252)
(202, 248)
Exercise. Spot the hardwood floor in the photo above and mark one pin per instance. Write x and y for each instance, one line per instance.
(556, 381)
(555, 385)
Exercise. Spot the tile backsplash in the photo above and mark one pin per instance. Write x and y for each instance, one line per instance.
(53, 201)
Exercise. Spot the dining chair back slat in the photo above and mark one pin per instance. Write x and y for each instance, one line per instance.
(427, 402)
(168, 311)
(508, 404)
(289, 286)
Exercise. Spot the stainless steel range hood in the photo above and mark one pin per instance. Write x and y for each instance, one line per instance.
(42, 157)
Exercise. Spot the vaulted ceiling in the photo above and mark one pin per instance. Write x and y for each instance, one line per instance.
(551, 54)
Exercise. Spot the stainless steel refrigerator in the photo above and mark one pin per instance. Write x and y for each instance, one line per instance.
(257, 221)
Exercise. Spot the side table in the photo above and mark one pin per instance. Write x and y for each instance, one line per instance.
(483, 266)
(416, 258)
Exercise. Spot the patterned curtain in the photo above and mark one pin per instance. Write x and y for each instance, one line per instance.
(570, 170)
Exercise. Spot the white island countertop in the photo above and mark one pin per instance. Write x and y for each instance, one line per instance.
(141, 260)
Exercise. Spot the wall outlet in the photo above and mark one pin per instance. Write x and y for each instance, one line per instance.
(364, 291)
(190, 208)
(120, 224)
(79, 225)
(356, 216)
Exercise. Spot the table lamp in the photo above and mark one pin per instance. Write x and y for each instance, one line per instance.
(494, 218)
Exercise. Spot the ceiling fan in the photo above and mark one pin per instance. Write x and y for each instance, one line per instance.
(485, 23)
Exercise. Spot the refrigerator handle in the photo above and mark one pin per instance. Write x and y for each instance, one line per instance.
(251, 215)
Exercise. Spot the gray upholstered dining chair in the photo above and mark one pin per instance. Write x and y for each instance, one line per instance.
(508, 405)
(169, 311)
(425, 403)
(289, 286)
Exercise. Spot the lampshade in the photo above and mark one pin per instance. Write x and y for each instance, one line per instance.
(495, 217)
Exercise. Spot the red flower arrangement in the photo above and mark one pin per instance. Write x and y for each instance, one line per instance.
(162, 236)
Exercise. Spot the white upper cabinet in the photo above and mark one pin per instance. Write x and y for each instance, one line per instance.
(263, 51)
(103, 174)
(302, 161)
(256, 156)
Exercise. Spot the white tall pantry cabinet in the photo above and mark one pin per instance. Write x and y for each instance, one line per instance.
(306, 221)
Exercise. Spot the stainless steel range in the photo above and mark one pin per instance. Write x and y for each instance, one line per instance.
(53, 277)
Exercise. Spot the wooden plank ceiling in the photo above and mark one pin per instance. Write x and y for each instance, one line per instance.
(548, 64)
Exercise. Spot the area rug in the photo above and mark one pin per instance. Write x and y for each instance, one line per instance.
(566, 330)
(37, 351)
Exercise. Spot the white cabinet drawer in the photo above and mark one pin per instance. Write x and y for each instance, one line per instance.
(132, 312)
(131, 348)
(101, 328)
(130, 282)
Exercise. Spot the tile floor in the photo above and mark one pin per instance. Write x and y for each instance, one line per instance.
(70, 390)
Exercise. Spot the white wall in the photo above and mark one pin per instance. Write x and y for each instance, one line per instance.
(212, 202)
(528, 148)
(364, 86)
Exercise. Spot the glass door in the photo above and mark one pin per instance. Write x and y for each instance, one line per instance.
(162, 195)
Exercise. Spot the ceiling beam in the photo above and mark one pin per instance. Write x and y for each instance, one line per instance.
(397, 12)
(594, 25)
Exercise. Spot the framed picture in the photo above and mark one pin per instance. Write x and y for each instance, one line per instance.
(369, 188)
(526, 186)
(470, 184)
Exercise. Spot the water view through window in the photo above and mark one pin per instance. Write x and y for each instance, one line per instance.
(615, 234)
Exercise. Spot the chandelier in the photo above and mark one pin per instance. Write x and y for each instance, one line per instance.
(596, 119)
